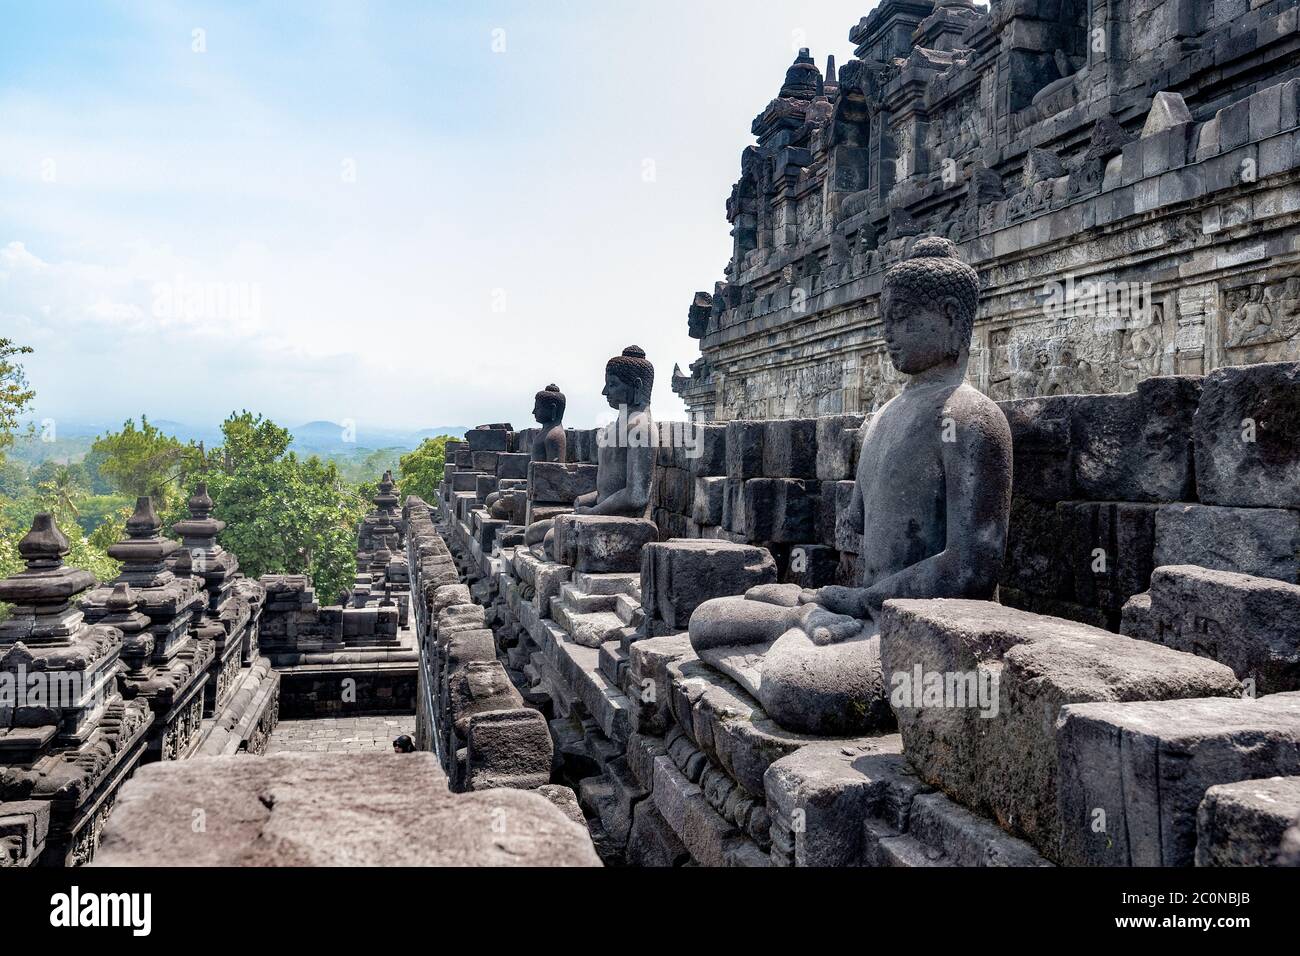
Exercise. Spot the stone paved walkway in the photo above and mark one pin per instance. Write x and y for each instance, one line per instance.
(339, 734)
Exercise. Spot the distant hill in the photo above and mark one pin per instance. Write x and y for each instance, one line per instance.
(318, 437)
(330, 437)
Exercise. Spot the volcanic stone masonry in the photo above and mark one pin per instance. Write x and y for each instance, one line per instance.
(803, 629)
(159, 664)
(1131, 692)
(1123, 174)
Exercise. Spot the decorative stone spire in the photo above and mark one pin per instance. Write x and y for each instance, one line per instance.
(386, 501)
(41, 594)
(123, 614)
(144, 551)
(44, 546)
(802, 80)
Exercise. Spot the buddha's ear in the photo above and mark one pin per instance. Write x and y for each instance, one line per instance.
(952, 310)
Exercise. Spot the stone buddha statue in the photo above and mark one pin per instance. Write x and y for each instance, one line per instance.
(626, 455)
(550, 443)
(931, 496)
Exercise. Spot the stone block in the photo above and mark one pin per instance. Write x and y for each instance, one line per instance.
(1261, 541)
(790, 448)
(464, 481)
(484, 461)
(513, 465)
(484, 485)
(829, 789)
(780, 510)
(1041, 447)
(1249, 623)
(459, 617)
(839, 440)
(811, 566)
(1244, 824)
(651, 841)
(709, 457)
(1136, 446)
(1143, 768)
(1248, 437)
(553, 482)
(330, 810)
(479, 687)
(1035, 560)
(679, 576)
(977, 688)
(745, 449)
(733, 506)
(710, 493)
(488, 439)
(538, 511)
(508, 748)
(465, 647)
(848, 527)
(1107, 549)
(600, 544)
(675, 490)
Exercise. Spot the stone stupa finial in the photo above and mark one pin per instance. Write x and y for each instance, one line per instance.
(803, 79)
(44, 546)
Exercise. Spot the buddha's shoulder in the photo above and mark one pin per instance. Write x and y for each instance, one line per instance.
(968, 404)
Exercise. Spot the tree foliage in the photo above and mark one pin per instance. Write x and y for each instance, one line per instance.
(421, 470)
(15, 396)
(283, 514)
(144, 461)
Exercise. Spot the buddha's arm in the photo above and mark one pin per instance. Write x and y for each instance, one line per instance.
(556, 444)
(977, 470)
(634, 497)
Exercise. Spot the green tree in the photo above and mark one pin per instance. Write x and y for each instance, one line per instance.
(420, 472)
(61, 493)
(283, 514)
(144, 461)
(15, 396)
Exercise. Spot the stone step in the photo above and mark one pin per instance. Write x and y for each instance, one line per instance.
(586, 630)
(583, 602)
(628, 609)
(608, 584)
(906, 851)
(965, 838)
(614, 660)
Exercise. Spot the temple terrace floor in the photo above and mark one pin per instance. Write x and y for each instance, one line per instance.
(339, 734)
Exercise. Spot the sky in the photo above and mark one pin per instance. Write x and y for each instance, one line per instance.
(396, 214)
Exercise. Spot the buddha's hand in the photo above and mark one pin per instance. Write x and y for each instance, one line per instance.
(582, 510)
(838, 600)
(826, 627)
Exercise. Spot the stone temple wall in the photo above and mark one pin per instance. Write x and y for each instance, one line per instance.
(1152, 581)
(1123, 174)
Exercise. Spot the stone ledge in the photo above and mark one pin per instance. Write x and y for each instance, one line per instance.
(331, 810)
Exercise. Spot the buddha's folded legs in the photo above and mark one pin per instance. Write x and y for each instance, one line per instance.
(732, 621)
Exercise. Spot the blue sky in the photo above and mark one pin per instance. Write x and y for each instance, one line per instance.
(403, 214)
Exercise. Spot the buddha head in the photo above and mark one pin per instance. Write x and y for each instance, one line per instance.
(928, 306)
(548, 406)
(629, 379)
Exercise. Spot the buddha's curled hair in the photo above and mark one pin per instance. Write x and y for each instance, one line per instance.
(932, 272)
(633, 364)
